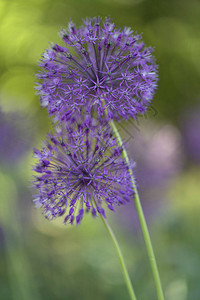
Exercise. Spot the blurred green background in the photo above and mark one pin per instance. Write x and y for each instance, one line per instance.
(47, 260)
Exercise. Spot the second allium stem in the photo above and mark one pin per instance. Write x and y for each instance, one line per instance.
(121, 259)
(142, 220)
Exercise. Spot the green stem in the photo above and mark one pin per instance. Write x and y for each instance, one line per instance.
(124, 269)
(142, 220)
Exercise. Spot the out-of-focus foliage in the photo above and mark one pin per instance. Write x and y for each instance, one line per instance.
(47, 260)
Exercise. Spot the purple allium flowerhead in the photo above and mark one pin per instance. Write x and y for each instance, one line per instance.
(80, 170)
(99, 67)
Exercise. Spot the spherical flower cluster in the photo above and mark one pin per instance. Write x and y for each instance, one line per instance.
(80, 169)
(100, 68)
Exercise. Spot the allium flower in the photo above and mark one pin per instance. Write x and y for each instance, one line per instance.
(99, 67)
(81, 170)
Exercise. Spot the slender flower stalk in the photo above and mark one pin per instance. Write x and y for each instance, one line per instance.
(142, 220)
(123, 266)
